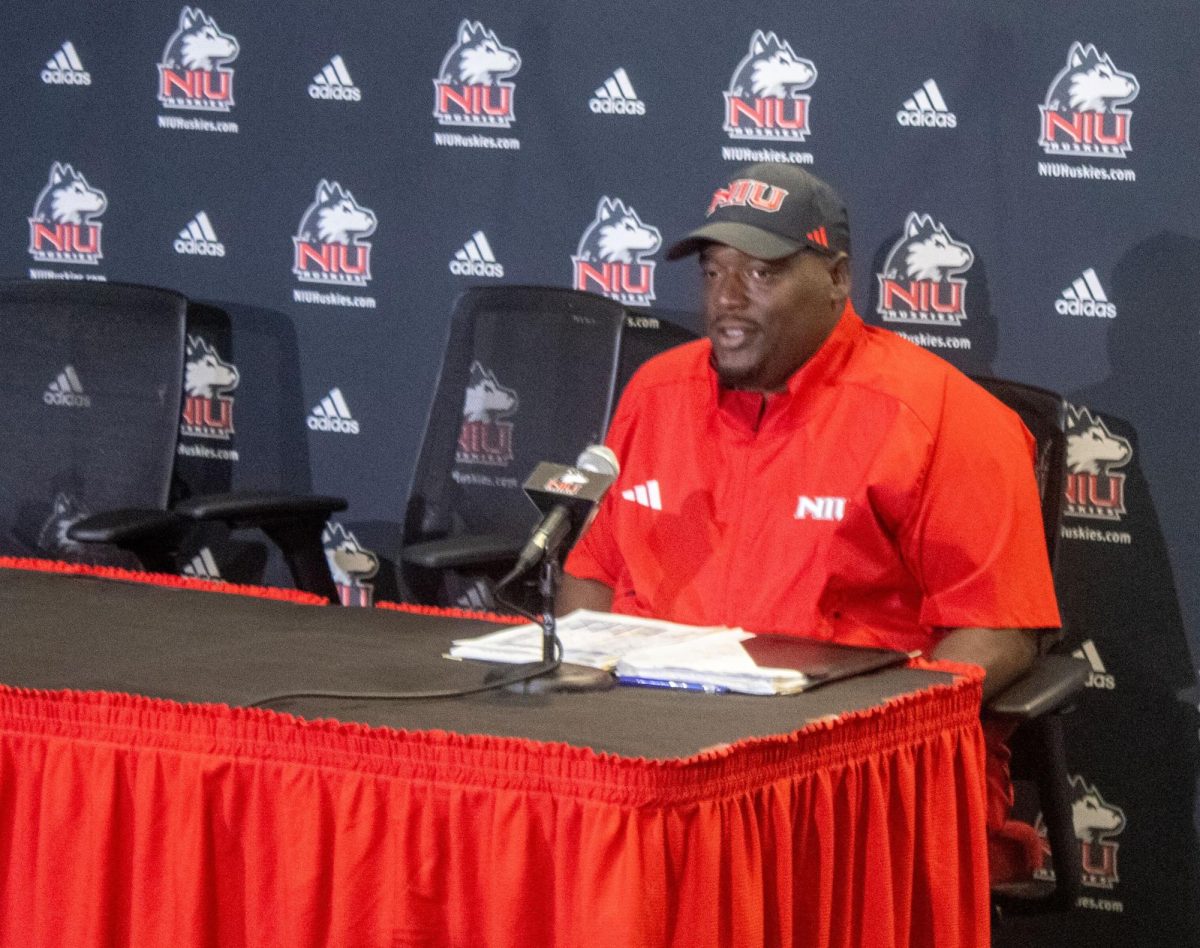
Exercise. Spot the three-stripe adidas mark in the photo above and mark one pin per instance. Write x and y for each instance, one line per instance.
(66, 391)
(1086, 297)
(65, 68)
(646, 495)
(475, 258)
(616, 96)
(1099, 678)
(334, 82)
(198, 237)
(332, 413)
(926, 108)
(203, 566)
(818, 236)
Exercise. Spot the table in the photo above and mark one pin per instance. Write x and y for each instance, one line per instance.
(140, 804)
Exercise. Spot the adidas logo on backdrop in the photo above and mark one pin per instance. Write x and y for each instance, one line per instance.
(66, 391)
(198, 237)
(616, 96)
(1085, 297)
(926, 108)
(65, 68)
(1099, 676)
(334, 82)
(333, 414)
(203, 566)
(476, 258)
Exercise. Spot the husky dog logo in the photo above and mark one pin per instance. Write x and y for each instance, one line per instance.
(612, 251)
(351, 565)
(329, 243)
(468, 89)
(62, 228)
(1080, 114)
(192, 74)
(65, 513)
(765, 98)
(918, 283)
(1095, 489)
(1096, 821)
(207, 412)
(485, 438)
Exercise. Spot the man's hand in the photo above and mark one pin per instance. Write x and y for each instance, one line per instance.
(575, 593)
(1004, 654)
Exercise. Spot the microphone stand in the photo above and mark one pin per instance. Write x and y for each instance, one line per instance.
(559, 675)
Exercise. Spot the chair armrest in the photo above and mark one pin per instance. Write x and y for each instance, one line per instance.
(151, 535)
(462, 551)
(294, 523)
(250, 507)
(1052, 682)
(123, 526)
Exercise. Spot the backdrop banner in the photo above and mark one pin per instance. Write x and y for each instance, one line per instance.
(324, 180)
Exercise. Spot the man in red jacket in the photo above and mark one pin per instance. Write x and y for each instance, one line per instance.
(799, 472)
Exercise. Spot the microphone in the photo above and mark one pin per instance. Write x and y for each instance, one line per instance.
(568, 497)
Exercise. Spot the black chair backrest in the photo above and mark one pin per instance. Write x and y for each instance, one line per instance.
(528, 376)
(645, 334)
(90, 382)
(1045, 415)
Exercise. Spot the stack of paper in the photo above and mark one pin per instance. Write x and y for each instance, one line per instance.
(669, 655)
(717, 661)
(598, 639)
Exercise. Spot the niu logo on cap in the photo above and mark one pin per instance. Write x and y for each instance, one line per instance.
(1080, 115)
(747, 192)
(329, 242)
(468, 89)
(207, 412)
(62, 228)
(918, 282)
(192, 74)
(351, 564)
(611, 259)
(1096, 822)
(485, 437)
(1095, 488)
(765, 98)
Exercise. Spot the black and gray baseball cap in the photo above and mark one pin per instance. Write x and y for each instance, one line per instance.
(771, 211)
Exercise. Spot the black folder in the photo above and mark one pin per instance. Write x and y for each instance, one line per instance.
(820, 662)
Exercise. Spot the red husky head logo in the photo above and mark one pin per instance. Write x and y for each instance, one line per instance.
(919, 283)
(766, 99)
(1080, 114)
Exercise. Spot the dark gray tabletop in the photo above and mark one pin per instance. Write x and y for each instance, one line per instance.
(77, 632)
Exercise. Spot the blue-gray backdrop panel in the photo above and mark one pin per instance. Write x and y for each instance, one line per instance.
(330, 177)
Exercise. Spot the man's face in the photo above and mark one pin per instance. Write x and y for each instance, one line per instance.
(766, 318)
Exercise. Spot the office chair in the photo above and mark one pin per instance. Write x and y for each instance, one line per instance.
(530, 374)
(527, 376)
(91, 376)
(1038, 700)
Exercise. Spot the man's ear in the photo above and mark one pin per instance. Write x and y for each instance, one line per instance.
(839, 273)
